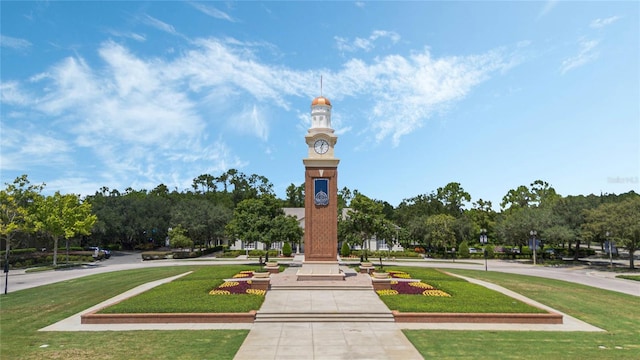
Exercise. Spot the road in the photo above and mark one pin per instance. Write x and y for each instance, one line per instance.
(19, 280)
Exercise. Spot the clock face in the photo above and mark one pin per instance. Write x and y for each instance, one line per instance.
(321, 146)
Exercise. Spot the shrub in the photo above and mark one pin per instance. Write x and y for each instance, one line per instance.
(345, 250)
(286, 249)
(463, 250)
(178, 239)
(256, 253)
(231, 253)
(155, 255)
(490, 252)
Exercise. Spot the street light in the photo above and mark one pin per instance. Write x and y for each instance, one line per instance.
(533, 234)
(483, 241)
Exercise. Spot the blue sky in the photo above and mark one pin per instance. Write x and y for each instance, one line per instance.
(492, 95)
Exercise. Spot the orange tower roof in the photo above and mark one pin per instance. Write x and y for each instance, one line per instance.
(321, 100)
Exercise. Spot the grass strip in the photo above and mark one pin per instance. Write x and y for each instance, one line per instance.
(629, 277)
(190, 294)
(615, 312)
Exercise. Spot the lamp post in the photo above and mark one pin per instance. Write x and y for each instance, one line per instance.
(533, 234)
(483, 241)
(609, 243)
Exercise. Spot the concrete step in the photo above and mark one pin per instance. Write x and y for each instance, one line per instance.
(323, 317)
(324, 287)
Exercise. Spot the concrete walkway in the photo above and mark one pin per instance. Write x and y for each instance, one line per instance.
(326, 341)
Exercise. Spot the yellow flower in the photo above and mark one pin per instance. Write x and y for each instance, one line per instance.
(387, 292)
(256, 292)
(435, 293)
(219, 292)
(229, 284)
(420, 284)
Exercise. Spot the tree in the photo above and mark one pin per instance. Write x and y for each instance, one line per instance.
(439, 231)
(622, 220)
(463, 228)
(517, 198)
(514, 226)
(178, 239)
(364, 220)
(295, 196)
(204, 184)
(253, 219)
(16, 207)
(539, 193)
(283, 228)
(417, 206)
(203, 220)
(543, 193)
(344, 198)
(286, 249)
(63, 216)
(453, 197)
(389, 232)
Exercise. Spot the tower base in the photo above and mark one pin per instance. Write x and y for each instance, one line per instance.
(320, 270)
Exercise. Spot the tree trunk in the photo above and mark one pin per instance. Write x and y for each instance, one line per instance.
(577, 251)
(55, 251)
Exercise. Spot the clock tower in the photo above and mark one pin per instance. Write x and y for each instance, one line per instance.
(321, 197)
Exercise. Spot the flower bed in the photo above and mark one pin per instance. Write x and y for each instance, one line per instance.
(237, 287)
(409, 287)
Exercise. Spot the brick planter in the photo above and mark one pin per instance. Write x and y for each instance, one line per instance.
(260, 283)
(548, 318)
(381, 284)
(153, 318)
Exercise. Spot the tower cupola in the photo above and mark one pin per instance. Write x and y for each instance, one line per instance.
(321, 113)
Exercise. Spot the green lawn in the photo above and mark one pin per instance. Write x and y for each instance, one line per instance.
(190, 294)
(617, 313)
(629, 277)
(464, 296)
(23, 312)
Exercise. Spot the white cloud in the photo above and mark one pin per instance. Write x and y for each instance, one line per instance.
(128, 35)
(14, 43)
(587, 53)
(12, 94)
(143, 119)
(366, 44)
(212, 11)
(600, 23)
(158, 24)
(30, 147)
(251, 120)
(406, 91)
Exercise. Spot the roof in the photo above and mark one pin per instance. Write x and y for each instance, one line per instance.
(320, 100)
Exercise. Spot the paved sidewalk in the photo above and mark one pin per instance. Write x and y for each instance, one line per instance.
(328, 321)
(326, 341)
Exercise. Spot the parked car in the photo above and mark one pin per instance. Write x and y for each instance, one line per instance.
(99, 254)
(475, 251)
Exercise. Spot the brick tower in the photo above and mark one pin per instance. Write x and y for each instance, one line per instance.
(321, 197)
